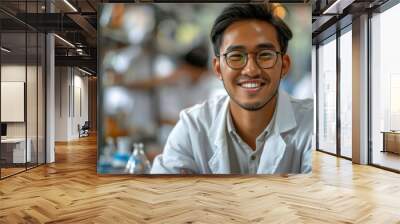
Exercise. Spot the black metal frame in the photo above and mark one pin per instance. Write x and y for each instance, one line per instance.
(338, 98)
(318, 96)
(0, 94)
(26, 88)
(45, 90)
(99, 118)
(340, 33)
(338, 153)
(369, 114)
(37, 91)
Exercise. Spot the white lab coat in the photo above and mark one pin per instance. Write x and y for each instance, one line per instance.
(198, 142)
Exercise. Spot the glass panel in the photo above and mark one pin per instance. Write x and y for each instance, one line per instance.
(327, 96)
(22, 77)
(13, 86)
(314, 90)
(41, 99)
(385, 89)
(31, 97)
(346, 94)
(41, 89)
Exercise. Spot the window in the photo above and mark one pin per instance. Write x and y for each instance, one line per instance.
(385, 89)
(327, 96)
(346, 93)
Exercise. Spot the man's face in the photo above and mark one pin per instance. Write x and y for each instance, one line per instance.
(252, 86)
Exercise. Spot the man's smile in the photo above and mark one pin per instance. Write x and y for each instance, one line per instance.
(252, 85)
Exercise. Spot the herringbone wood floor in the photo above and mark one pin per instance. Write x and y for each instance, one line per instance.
(70, 191)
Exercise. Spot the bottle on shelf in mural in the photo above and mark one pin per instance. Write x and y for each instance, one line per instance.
(138, 162)
(106, 159)
(121, 156)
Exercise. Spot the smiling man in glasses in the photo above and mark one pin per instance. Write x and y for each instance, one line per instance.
(257, 128)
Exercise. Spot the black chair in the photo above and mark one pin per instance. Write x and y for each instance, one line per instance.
(84, 130)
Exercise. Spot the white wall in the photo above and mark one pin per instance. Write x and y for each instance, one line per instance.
(33, 126)
(70, 83)
(61, 103)
(80, 89)
(16, 73)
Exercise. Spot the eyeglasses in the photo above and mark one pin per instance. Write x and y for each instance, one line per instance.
(238, 59)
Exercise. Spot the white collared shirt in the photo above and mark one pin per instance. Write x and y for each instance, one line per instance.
(200, 142)
(243, 159)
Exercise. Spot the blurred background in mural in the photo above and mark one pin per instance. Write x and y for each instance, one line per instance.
(155, 60)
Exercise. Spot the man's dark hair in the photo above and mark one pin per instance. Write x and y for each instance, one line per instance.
(238, 12)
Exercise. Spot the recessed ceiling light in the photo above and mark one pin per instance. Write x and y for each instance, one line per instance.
(64, 40)
(337, 7)
(84, 71)
(70, 5)
(5, 49)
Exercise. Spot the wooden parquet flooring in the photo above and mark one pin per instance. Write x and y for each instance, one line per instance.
(9, 171)
(70, 191)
